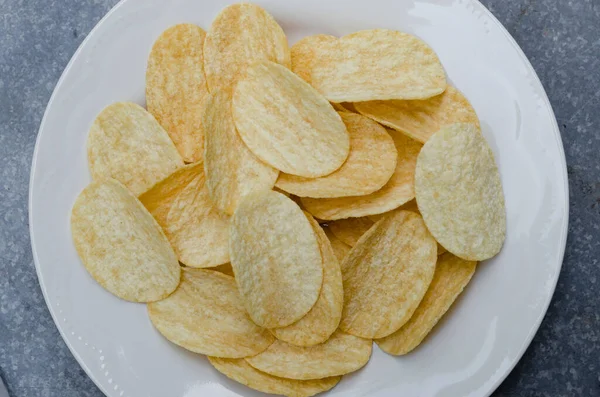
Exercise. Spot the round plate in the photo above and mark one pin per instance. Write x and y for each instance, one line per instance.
(473, 348)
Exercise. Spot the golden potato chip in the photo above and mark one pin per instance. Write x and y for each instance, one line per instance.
(376, 64)
(350, 230)
(126, 143)
(241, 35)
(206, 315)
(303, 54)
(340, 248)
(197, 231)
(340, 355)
(176, 88)
(159, 198)
(399, 189)
(287, 124)
(386, 275)
(121, 245)
(225, 269)
(324, 317)
(459, 192)
(452, 275)
(232, 171)
(242, 372)
(370, 164)
(420, 119)
(410, 206)
(276, 259)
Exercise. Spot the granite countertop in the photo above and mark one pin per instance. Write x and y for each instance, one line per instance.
(560, 37)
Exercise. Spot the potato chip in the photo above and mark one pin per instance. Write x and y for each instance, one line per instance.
(350, 230)
(459, 192)
(340, 248)
(159, 198)
(276, 259)
(126, 143)
(242, 372)
(206, 315)
(241, 35)
(197, 231)
(420, 119)
(324, 317)
(176, 88)
(410, 206)
(121, 245)
(287, 124)
(376, 64)
(340, 355)
(225, 269)
(399, 189)
(303, 54)
(232, 171)
(386, 275)
(451, 276)
(370, 164)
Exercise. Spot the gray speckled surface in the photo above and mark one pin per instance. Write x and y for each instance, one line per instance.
(562, 40)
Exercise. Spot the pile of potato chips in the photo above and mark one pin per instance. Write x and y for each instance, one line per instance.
(279, 209)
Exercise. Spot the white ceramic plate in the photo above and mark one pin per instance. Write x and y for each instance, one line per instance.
(473, 348)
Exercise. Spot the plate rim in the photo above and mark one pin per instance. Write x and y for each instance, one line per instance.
(556, 132)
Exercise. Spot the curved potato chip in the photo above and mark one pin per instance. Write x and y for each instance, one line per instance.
(324, 317)
(242, 372)
(350, 230)
(405, 68)
(195, 228)
(206, 315)
(410, 206)
(287, 124)
(370, 164)
(198, 232)
(340, 248)
(276, 259)
(421, 119)
(459, 192)
(399, 189)
(176, 88)
(126, 143)
(303, 54)
(232, 171)
(452, 275)
(159, 198)
(386, 275)
(241, 35)
(121, 245)
(340, 355)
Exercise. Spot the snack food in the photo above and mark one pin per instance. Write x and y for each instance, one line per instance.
(320, 178)
(421, 118)
(406, 67)
(176, 90)
(386, 275)
(287, 124)
(452, 275)
(324, 317)
(459, 192)
(339, 355)
(279, 273)
(120, 244)
(362, 173)
(399, 190)
(241, 35)
(206, 315)
(126, 143)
